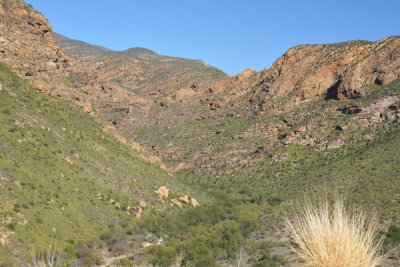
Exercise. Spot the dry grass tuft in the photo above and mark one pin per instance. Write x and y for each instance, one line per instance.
(331, 237)
(45, 260)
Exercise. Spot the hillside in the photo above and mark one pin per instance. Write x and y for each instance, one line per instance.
(262, 108)
(67, 179)
(127, 85)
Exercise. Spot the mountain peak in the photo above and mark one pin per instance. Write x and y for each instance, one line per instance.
(138, 51)
(75, 47)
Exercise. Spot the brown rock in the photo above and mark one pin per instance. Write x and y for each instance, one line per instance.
(302, 129)
(162, 192)
(137, 211)
(51, 65)
(176, 203)
(194, 202)
(245, 74)
(142, 203)
(87, 107)
(334, 144)
(184, 199)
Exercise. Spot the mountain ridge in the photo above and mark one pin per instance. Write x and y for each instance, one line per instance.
(76, 46)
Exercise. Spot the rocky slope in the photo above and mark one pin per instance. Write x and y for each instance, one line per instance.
(138, 70)
(269, 107)
(312, 72)
(93, 76)
(75, 47)
(27, 43)
(334, 71)
(128, 85)
(303, 77)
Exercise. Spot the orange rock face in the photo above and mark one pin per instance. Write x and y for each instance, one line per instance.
(28, 45)
(331, 71)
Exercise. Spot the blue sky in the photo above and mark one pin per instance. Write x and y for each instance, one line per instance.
(231, 35)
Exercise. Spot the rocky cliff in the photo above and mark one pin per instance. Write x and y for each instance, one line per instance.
(335, 71)
(27, 43)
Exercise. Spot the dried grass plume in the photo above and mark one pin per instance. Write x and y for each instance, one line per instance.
(327, 236)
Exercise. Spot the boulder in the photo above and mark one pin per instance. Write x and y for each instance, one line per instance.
(334, 144)
(184, 199)
(194, 202)
(162, 192)
(176, 202)
(87, 107)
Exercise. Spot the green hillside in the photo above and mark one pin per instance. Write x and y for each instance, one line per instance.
(66, 182)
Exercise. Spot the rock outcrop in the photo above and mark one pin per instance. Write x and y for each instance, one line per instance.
(194, 202)
(162, 192)
(184, 199)
(27, 44)
(334, 71)
(175, 202)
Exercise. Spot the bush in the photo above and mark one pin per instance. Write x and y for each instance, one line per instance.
(87, 256)
(11, 226)
(392, 237)
(105, 236)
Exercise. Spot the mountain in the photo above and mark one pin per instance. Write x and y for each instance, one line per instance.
(138, 70)
(138, 51)
(125, 157)
(312, 72)
(79, 47)
(335, 71)
(127, 85)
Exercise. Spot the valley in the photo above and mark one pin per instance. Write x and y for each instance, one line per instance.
(127, 158)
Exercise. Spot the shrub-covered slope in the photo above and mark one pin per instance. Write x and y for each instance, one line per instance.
(64, 179)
